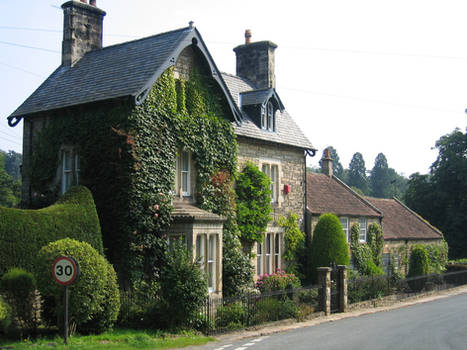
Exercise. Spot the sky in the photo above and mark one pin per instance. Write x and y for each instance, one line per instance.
(364, 76)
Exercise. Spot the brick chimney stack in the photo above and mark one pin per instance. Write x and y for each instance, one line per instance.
(82, 30)
(326, 162)
(255, 62)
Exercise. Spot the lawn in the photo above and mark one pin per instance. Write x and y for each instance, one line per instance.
(116, 339)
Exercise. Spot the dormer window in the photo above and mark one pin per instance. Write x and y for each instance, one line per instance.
(268, 117)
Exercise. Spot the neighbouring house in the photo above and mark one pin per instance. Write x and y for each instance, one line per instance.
(96, 98)
(401, 226)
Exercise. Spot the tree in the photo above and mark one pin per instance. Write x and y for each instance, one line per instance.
(10, 190)
(337, 168)
(441, 196)
(379, 178)
(357, 173)
(13, 162)
(329, 244)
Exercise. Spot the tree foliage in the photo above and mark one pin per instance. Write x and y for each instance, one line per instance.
(367, 257)
(10, 188)
(357, 173)
(294, 243)
(385, 182)
(441, 196)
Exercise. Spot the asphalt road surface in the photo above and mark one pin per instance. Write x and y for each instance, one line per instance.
(435, 325)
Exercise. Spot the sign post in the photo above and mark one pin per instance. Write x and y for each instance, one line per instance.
(65, 270)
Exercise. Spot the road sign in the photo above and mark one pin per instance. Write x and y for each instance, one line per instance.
(65, 270)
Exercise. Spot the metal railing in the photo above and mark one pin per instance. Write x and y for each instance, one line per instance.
(227, 314)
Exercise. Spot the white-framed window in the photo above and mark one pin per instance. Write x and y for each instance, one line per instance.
(272, 171)
(183, 174)
(362, 222)
(268, 262)
(277, 252)
(271, 117)
(345, 225)
(206, 253)
(264, 118)
(259, 258)
(269, 254)
(70, 169)
(212, 263)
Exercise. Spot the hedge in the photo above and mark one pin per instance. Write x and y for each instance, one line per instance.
(23, 232)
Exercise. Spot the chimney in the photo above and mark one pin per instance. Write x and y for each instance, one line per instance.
(255, 62)
(326, 162)
(82, 30)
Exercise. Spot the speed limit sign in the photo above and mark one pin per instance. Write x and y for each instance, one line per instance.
(65, 270)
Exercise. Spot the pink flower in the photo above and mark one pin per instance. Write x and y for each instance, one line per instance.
(156, 215)
(135, 233)
(156, 206)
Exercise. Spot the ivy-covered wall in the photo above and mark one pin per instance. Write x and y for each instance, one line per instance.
(127, 159)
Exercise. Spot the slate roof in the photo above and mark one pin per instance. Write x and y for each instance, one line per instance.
(330, 195)
(260, 97)
(400, 222)
(287, 131)
(114, 71)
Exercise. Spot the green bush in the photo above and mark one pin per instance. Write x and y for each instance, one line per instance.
(5, 316)
(419, 263)
(232, 316)
(24, 232)
(253, 204)
(361, 288)
(94, 299)
(183, 289)
(438, 256)
(277, 281)
(376, 243)
(367, 256)
(273, 309)
(294, 244)
(19, 286)
(329, 244)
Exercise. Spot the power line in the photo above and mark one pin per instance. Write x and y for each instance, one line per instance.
(29, 47)
(363, 99)
(58, 31)
(21, 69)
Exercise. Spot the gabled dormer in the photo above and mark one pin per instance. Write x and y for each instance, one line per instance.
(262, 107)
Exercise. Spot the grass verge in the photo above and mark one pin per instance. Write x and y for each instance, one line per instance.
(116, 339)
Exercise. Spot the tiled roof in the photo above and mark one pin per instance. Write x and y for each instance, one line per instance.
(114, 71)
(330, 195)
(399, 222)
(260, 97)
(287, 131)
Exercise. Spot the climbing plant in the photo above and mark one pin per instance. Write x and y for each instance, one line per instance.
(127, 159)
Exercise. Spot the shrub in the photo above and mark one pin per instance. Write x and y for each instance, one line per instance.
(183, 288)
(94, 300)
(232, 316)
(273, 309)
(19, 286)
(277, 281)
(438, 256)
(294, 243)
(419, 263)
(24, 232)
(253, 204)
(5, 316)
(329, 244)
(367, 257)
(367, 288)
(376, 243)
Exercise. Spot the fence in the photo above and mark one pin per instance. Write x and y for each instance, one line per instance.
(225, 314)
(368, 288)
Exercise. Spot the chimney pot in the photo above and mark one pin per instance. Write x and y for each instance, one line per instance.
(326, 162)
(247, 36)
(191, 24)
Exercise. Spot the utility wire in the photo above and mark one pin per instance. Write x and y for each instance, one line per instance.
(29, 47)
(58, 31)
(21, 69)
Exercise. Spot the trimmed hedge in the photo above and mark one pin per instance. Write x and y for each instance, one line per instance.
(329, 244)
(24, 232)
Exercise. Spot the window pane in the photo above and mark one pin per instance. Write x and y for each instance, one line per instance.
(200, 251)
(362, 222)
(259, 258)
(268, 254)
(275, 181)
(277, 249)
(345, 226)
(270, 117)
(212, 263)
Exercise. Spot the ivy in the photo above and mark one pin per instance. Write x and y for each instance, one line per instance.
(294, 242)
(367, 257)
(128, 155)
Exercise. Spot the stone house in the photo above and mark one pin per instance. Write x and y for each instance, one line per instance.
(401, 226)
(93, 79)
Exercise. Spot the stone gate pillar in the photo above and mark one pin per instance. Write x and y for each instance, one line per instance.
(324, 279)
(342, 269)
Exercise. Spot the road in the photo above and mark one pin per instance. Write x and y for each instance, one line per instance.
(435, 325)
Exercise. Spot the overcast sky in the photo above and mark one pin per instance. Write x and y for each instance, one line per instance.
(363, 76)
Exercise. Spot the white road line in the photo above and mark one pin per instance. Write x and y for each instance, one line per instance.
(241, 348)
(248, 344)
(259, 339)
(224, 347)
